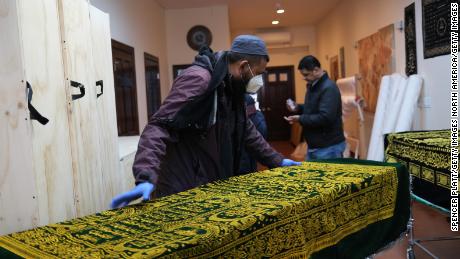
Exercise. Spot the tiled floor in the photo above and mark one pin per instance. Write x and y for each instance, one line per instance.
(428, 223)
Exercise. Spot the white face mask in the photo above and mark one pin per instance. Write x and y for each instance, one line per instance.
(255, 83)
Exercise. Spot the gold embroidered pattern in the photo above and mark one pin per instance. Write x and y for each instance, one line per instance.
(414, 169)
(428, 174)
(427, 155)
(443, 180)
(431, 147)
(283, 212)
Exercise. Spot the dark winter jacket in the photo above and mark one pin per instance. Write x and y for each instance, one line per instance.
(176, 158)
(321, 115)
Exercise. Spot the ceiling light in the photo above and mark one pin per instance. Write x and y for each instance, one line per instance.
(275, 22)
(279, 9)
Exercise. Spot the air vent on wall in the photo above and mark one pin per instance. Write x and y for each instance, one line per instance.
(275, 37)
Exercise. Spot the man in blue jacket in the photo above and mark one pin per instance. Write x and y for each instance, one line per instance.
(321, 115)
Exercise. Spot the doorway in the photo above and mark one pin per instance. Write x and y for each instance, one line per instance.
(124, 73)
(152, 83)
(279, 86)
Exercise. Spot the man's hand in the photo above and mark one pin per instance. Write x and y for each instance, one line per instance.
(292, 119)
(289, 162)
(143, 190)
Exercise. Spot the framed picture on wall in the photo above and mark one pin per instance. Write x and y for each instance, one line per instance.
(342, 62)
(436, 27)
(410, 38)
(177, 69)
(334, 68)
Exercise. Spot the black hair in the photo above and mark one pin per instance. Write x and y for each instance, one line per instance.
(309, 63)
(252, 59)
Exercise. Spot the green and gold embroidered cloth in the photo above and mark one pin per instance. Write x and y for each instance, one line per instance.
(427, 157)
(319, 210)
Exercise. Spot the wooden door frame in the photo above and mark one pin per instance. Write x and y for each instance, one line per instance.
(148, 56)
(291, 74)
(292, 69)
(130, 50)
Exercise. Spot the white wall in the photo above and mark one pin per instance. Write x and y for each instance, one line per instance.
(147, 27)
(179, 22)
(303, 43)
(353, 20)
(141, 25)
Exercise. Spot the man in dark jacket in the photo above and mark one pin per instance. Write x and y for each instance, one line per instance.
(197, 134)
(321, 115)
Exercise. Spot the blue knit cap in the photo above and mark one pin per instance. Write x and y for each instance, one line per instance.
(249, 44)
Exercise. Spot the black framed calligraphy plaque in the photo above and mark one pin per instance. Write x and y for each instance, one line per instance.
(436, 27)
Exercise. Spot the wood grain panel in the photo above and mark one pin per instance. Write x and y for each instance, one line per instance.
(18, 203)
(84, 131)
(110, 178)
(51, 142)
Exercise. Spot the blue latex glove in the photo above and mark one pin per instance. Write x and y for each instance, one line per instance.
(289, 162)
(143, 190)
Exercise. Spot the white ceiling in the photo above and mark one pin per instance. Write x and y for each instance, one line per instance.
(256, 14)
